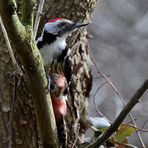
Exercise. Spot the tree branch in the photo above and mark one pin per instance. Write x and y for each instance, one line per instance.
(28, 11)
(120, 96)
(114, 127)
(8, 44)
(24, 43)
(38, 15)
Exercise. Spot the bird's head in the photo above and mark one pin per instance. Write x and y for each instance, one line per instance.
(62, 27)
(58, 86)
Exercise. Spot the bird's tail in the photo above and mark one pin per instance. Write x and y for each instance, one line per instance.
(62, 134)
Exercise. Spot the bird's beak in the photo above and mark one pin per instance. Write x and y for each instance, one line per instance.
(74, 26)
(79, 25)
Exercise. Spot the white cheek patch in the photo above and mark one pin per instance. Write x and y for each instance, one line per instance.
(52, 27)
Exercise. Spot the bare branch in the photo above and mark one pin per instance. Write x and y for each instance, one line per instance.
(145, 122)
(106, 78)
(94, 101)
(8, 44)
(38, 15)
(137, 132)
(137, 128)
(114, 127)
(120, 96)
(9, 124)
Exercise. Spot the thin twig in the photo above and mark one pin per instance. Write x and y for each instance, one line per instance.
(94, 101)
(144, 124)
(16, 82)
(14, 62)
(100, 77)
(11, 53)
(114, 127)
(9, 124)
(120, 96)
(8, 43)
(98, 111)
(137, 128)
(12, 110)
(137, 132)
(126, 145)
(18, 34)
(106, 78)
(38, 16)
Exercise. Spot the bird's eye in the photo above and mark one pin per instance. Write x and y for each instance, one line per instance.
(62, 24)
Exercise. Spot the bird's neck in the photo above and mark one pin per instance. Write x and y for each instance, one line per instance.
(52, 40)
(61, 43)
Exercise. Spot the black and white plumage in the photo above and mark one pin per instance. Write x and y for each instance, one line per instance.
(53, 48)
(56, 56)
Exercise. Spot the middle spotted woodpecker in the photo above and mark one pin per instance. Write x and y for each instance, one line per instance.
(52, 44)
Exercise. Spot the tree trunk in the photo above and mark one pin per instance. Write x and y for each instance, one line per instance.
(18, 124)
(22, 131)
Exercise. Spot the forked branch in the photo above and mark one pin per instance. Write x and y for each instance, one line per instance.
(114, 126)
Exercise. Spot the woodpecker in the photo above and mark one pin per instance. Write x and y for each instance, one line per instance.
(58, 86)
(53, 47)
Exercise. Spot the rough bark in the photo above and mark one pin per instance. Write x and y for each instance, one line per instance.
(22, 38)
(76, 10)
(24, 126)
(22, 129)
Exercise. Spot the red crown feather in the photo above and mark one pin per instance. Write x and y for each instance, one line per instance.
(56, 19)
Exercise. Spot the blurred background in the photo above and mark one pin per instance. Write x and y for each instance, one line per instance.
(120, 47)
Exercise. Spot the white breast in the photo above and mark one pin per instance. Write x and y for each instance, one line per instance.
(51, 51)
